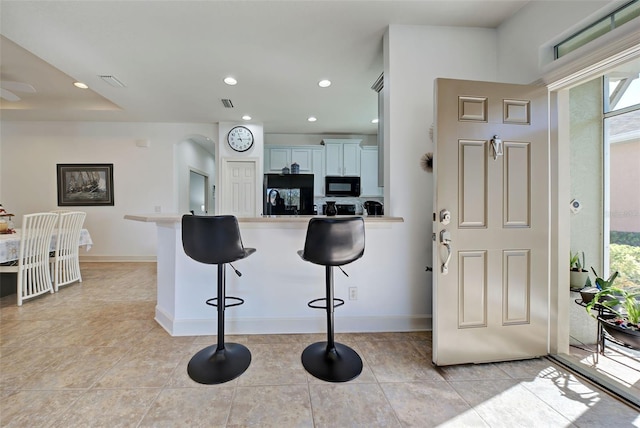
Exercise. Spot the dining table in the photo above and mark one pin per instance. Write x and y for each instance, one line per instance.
(10, 244)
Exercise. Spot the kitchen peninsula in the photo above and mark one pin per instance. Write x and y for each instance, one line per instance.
(276, 283)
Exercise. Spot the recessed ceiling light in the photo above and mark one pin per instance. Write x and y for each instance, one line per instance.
(80, 85)
(324, 83)
(312, 119)
(374, 120)
(246, 117)
(230, 81)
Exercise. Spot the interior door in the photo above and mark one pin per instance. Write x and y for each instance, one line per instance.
(240, 196)
(491, 247)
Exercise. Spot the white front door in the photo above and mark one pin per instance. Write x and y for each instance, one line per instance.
(491, 301)
(240, 188)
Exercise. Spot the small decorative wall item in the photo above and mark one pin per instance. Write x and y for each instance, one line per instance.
(85, 184)
(426, 162)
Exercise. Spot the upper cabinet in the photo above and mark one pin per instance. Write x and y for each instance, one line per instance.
(342, 157)
(309, 158)
(369, 176)
(276, 158)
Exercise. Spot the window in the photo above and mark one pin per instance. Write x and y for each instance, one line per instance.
(622, 174)
(614, 20)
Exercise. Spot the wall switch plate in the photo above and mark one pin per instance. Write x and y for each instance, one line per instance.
(353, 293)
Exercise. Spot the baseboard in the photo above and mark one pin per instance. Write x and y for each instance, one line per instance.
(206, 327)
(114, 259)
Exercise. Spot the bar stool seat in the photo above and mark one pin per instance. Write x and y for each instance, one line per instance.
(332, 242)
(216, 240)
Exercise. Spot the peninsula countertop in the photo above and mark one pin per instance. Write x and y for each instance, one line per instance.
(277, 283)
(173, 218)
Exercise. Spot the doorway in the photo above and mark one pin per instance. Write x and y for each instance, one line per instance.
(603, 117)
(198, 195)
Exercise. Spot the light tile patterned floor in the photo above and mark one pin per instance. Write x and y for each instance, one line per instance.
(92, 356)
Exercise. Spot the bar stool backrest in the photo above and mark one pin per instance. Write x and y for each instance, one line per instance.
(334, 241)
(213, 239)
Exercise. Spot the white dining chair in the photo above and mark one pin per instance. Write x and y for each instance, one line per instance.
(66, 263)
(34, 276)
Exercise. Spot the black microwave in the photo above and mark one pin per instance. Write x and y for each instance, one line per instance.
(341, 186)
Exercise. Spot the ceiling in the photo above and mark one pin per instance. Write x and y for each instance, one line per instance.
(172, 57)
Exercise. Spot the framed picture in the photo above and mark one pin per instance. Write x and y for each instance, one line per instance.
(85, 184)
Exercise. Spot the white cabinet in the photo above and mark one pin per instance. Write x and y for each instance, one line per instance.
(302, 156)
(310, 159)
(342, 157)
(369, 168)
(276, 158)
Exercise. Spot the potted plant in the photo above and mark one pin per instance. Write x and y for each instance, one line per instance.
(620, 314)
(578, 275)
(588, 293)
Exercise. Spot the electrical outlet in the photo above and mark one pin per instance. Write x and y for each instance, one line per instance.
(157, 208)
(353, 293)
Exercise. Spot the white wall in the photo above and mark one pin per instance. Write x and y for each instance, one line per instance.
(224, 152)
(587, 172)
(526, 40)
(415, 56)
(143, 177)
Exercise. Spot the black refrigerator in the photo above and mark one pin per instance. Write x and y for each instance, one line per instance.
(287, 194)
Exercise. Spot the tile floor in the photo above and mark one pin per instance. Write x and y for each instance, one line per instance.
(92, 356)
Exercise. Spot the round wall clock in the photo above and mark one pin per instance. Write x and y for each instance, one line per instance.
(240, 138)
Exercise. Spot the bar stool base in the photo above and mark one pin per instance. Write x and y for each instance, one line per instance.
(340, 364)
(210, 366)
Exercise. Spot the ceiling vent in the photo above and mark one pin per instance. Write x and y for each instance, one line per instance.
(113, 81)
(227, 103)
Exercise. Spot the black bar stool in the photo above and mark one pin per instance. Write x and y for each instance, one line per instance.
(332, 242)
(216, 240)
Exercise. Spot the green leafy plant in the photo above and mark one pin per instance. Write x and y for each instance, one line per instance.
(603, 284)
(624, 302)
(575, 264)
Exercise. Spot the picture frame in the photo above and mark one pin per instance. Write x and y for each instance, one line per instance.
(85, 184)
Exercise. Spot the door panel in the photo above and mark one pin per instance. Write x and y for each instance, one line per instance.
(473, 289)
(473, 183)
(516, 286)
(491, 172)
(517, 184)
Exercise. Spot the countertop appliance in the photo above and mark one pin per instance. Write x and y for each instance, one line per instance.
(373, 208)
(342, 186)
(343, 209)
(290, 194)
